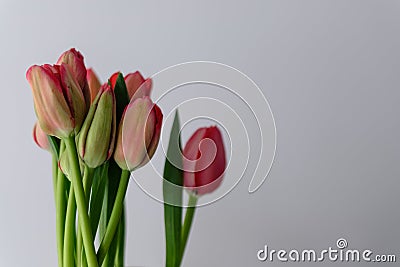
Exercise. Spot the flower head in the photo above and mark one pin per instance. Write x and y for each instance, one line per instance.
(96, 138)
(204, 161)
(58, 99)
(138, 134)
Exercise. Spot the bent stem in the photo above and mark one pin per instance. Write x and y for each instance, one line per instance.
(84, 221)
(114, 218)
(187, 224)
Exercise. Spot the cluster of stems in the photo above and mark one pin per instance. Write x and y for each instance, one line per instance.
(89, 202)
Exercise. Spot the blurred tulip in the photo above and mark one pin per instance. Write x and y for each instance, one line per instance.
(136, 85)
(94, 84)
(96, 138)
(138, 134)
(40, 137)
(58, 99)
(75, 61)
(204, 161)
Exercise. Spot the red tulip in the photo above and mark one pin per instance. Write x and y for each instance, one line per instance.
(138, 134)
(204, 161)
(58, 99)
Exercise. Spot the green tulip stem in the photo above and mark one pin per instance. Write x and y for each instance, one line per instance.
(69, 232)
(79, 192)
(60, 214)
(115, 217)
(187, 224)
(87, 183)
(54, 168)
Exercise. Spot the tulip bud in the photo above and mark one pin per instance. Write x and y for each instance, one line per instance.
(94, 84)
(138, 134)
(40, 137)
(58, 100)
(75, 61)
(204, 161)
(96, 138)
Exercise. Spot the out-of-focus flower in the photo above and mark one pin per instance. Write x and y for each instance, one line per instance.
(94, 84)
(136, 85)
(138, 134)
(40, 137)
(58, 99)
(75, 61)
(96, 138)
(204, 161)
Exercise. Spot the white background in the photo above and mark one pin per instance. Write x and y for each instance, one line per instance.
(330, 70)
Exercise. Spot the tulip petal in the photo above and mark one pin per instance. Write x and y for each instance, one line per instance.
(94, 84)
(114, 78)
(138, 129)
(133, 83)
(151, 148)
(74, 96)
(208, 179)
(40, 137)
(75, 61)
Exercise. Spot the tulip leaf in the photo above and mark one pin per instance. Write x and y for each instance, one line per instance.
(119, 256)
(96, 200)
(121, 96)
(172, 191)
(54, 144)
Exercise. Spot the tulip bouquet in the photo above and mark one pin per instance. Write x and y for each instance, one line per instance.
(97, 135)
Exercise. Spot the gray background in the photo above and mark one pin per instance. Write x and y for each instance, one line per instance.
(330, 70)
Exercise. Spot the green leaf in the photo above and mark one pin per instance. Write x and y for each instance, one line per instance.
(97, 198)
(121, 95)
(173, 175)
(119, 256)
(54, 144)
(114, 176)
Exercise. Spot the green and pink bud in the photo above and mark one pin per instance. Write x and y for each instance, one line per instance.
(96, 139)
(58, 99)
(138, 134)
(40, 137)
